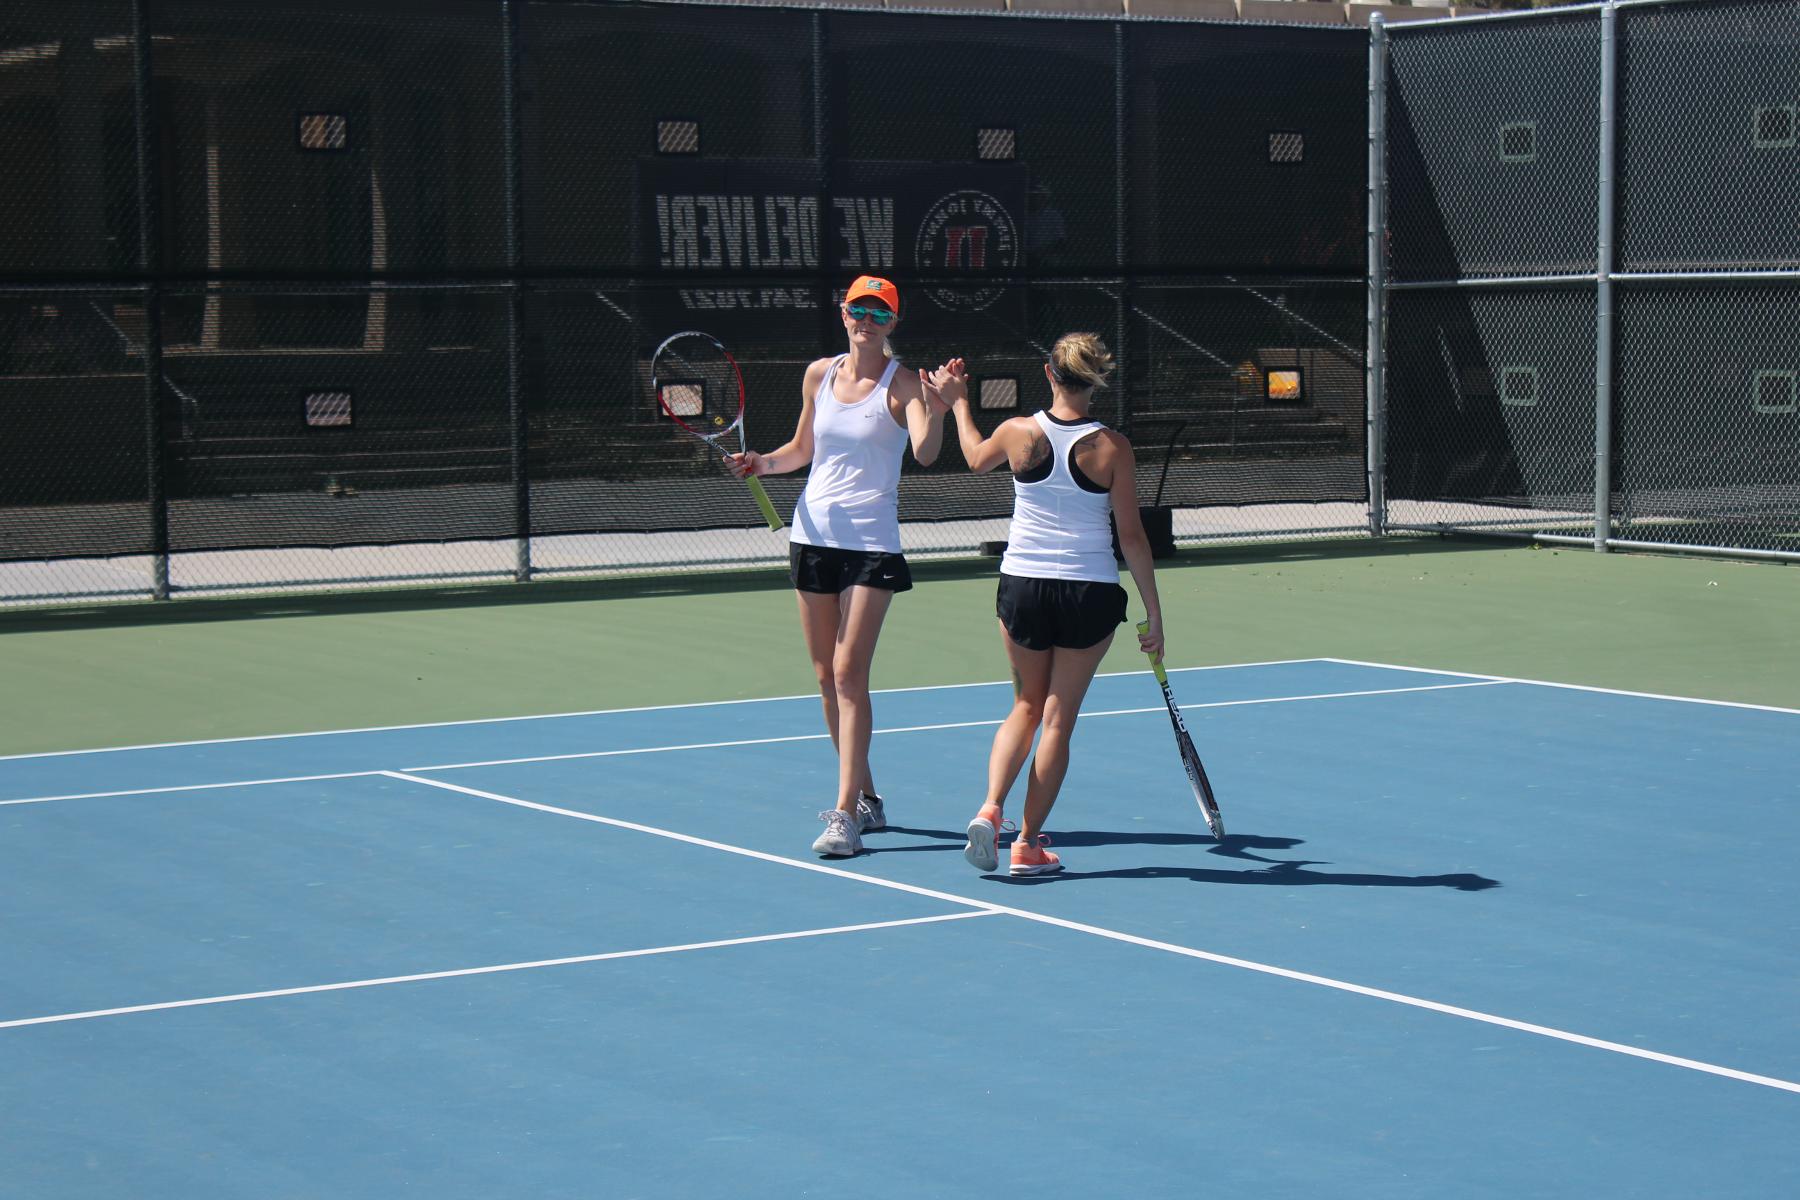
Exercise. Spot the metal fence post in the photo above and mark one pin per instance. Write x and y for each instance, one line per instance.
(519, 419)
(1121, 242)
(1375, 375)
(1603, 288)
(149, 260)
(828, 285)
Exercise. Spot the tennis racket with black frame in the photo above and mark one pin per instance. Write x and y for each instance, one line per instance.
(698, 385)
(1190, 758)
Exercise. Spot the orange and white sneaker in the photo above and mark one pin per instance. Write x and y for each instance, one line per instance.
(983, 850)
(1030, 858)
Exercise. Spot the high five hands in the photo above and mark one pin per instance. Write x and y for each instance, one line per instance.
(947, 386)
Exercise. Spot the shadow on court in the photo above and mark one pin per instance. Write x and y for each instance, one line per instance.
(1231, 845)
(951, 840)
(1278, 872)
(947, 839)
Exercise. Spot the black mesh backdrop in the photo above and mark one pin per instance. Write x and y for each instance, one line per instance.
(1709, 136)
(334, 418)
(599, 79)
(398, 317)
(1045, 89)
(1490, 403)
(1707, 425)
(74, 464)
(68, 203)
(1249, 150)
(330, 138)
(603, 457)
(1248, 394)
(1491, 140)
(1016, 143)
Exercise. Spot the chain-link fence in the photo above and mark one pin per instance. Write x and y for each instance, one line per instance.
(1592, 278)
(322, 291)
(349, 291)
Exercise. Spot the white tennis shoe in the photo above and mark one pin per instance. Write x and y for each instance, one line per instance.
(871, 812)
(841, 838)
(983, 850)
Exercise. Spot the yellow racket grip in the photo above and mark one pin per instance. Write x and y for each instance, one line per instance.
(763, 502)
(1156, 662)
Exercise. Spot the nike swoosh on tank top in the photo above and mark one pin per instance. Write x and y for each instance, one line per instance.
(852, 496)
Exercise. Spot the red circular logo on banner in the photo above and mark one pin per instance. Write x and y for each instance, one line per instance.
(967, 233)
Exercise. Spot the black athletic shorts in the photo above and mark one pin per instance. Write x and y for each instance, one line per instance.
(829, 570)
(1071, 613)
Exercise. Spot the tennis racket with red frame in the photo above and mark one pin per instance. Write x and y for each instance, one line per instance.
(1190, 758)
(698, 385)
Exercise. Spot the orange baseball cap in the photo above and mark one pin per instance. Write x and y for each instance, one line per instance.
(873, 287)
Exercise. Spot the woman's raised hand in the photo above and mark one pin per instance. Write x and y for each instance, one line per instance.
(947, 386)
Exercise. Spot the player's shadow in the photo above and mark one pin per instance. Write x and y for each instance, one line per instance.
(1287, 874)
(948, 839)
(942, 839)
(1278, 872)
(1234, 845)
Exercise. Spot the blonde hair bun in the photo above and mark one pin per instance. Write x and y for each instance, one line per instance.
(1081, 360)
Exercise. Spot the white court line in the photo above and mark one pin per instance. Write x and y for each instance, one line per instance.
(816, 737)
(1131, 939)
(768, 741)
(490, 970)
(1425, 687)
(1573, 687)
(188, 787)
(602, 712)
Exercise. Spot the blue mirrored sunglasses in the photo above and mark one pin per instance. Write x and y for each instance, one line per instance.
(861, 312)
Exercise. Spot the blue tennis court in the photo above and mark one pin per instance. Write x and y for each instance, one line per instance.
(1466, 934)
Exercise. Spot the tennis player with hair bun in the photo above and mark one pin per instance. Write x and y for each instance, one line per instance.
(1059, 601)
(858, 413)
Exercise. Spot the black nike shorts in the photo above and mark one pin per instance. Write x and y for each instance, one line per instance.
(829, 570)
(1071, 613)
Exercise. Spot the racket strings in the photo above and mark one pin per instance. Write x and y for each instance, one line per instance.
(697, 385)
(700, 388)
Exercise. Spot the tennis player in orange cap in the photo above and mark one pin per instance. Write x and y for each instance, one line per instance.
(859, 411)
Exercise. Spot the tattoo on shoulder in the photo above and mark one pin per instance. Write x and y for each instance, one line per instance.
(1036, 452)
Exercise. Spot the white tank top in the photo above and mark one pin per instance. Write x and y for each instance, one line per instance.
(1059, 528)
(852, 495)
